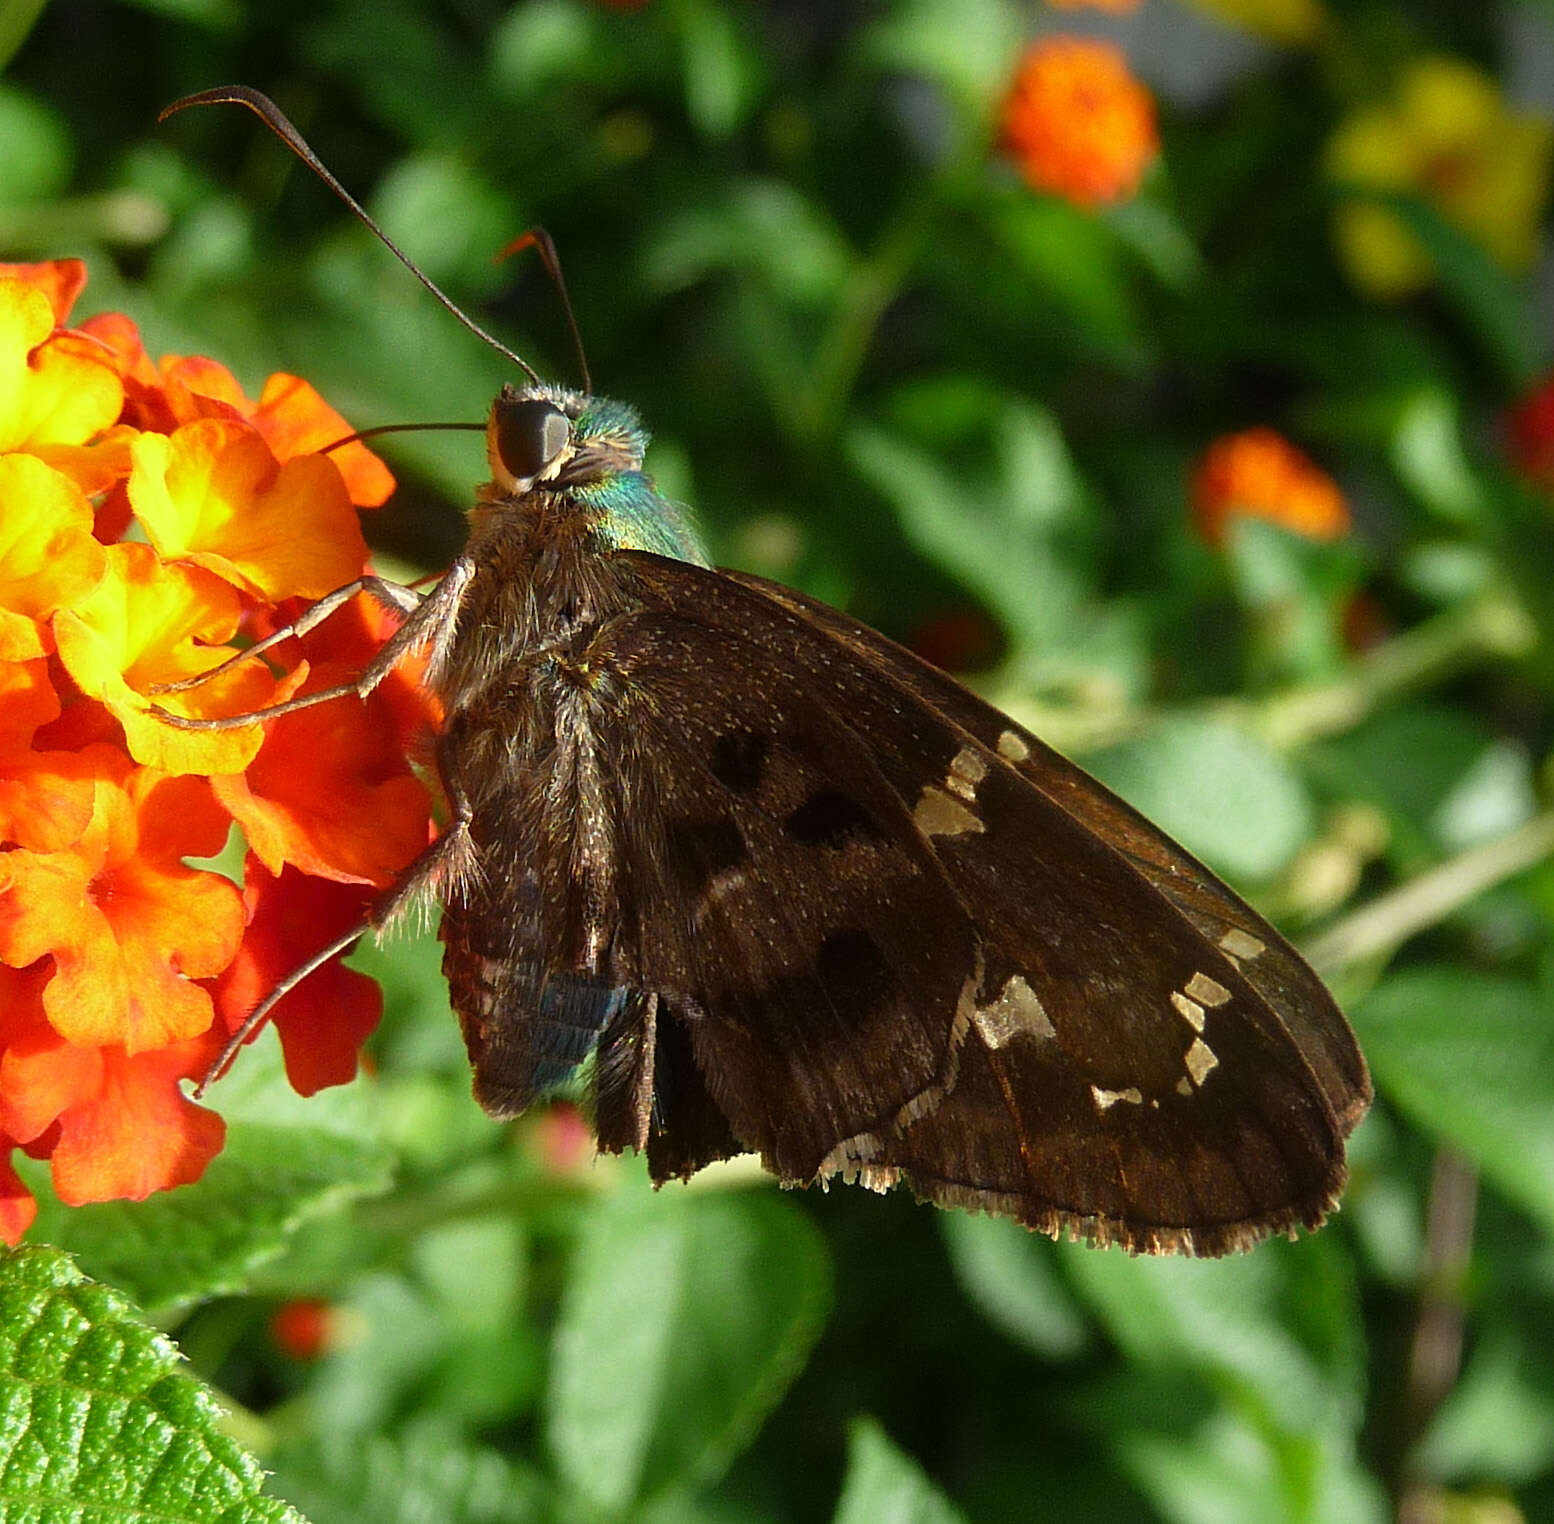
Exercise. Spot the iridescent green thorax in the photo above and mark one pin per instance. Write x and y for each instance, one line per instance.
(634, 516)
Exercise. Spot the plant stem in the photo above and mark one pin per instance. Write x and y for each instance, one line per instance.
(1377, 929)
(1492, 626)
(868, 291)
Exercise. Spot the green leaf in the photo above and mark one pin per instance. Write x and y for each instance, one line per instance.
(886, 1486)
(1230, 1321)
(34, 148)
(1008, 1274)
(762, 228)
(684, 1320)
(1470, 1059)
(1229, 1471)
(967, 47)
(423, 1475)
(447, 219)
(1227, 797)
(1427, 454)
(722, 72)
(1073, 258)
(998, 532)
(99, 1423)
(286, 1159)
(1499, 1419)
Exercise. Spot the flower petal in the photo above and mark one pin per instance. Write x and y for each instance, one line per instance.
(56, 387)
(1077, 122)
(48, 556)
(214, 494)
(137, 1132)
(60, 280)
(330, 792)
(147, 623)
(128, 925)
(324, 1021)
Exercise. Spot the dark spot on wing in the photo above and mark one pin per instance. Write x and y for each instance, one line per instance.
(854, 971)
(830, 818)
(738, 759)
(699, 850)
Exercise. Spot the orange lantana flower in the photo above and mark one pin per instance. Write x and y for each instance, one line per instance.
(1260, 474)
(1077, 122)
(155, 520)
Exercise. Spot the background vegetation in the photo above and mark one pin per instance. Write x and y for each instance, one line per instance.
(887, 370)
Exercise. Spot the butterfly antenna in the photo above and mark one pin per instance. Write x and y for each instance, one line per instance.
(275, 119)
(361, 436)
(538, 238)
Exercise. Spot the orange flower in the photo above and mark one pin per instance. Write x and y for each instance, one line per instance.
(1529, 429)
(1116, 7)
(128, 925)
(122, 968)
(1260, 474)
(123, 1127)
(307, 1328)
(1077, 122)
(323, 1022)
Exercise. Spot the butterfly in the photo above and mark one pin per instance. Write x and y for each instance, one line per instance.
(779, 886)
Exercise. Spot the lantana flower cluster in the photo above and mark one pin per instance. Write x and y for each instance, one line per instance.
(1077, 123)
(154, 520)
(1259, 474)
(1447, 135)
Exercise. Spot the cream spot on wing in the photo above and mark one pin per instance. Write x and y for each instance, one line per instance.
(967, 770)
(1206, 991)
(1012, 747)
(1184, 1086)
(723, 884)
(1242, 944)
(1106, 1099)
(1189, 1010)
(1016, 1010)
(937, 814)
(1200, 1060)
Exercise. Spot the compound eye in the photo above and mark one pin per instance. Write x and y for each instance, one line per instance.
(528, 434)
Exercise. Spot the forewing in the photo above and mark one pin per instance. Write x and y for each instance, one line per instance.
(907, 939)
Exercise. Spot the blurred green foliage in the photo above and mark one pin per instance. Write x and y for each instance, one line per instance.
(882, 368)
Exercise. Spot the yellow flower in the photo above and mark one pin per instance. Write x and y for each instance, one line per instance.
(1294, 22)
(1447, 135)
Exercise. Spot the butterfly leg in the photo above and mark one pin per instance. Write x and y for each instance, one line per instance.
(391, 595)
(451, 853)
(430, 625)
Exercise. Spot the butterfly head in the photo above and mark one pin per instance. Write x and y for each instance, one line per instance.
(552, 436)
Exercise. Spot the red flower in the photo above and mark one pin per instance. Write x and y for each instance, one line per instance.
(1530, 433)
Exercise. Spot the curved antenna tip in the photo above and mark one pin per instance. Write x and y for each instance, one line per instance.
(278, 123)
